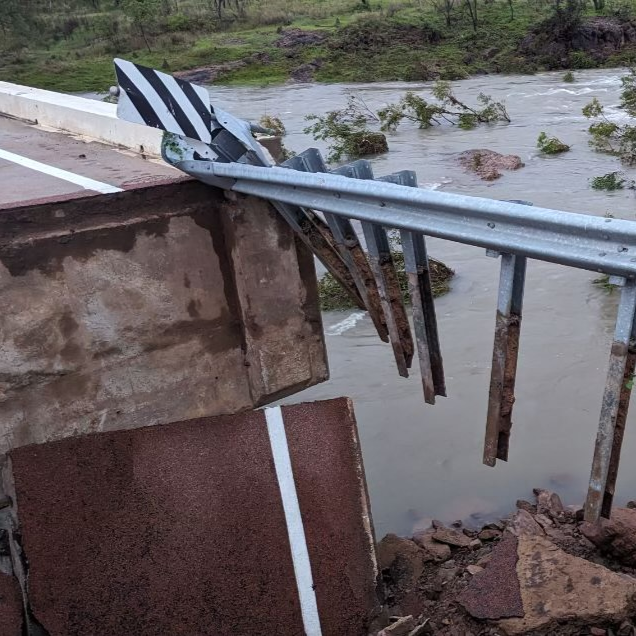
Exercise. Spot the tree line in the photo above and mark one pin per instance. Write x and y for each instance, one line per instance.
(22, 20)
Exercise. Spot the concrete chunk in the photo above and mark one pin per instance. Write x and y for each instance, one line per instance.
(180, 529)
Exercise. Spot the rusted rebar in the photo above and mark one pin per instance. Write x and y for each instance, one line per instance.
(613, 411)
(504, 358)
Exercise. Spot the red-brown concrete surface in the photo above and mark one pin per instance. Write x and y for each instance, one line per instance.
(179, 529)
(335, 510)
(10, 606)
(93, 160)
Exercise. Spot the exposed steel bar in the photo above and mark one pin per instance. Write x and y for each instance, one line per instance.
(348, 246)
(383, 269)
(605, 450)
(424, 319)
(417, 270)
(504, 358)
(619, 430)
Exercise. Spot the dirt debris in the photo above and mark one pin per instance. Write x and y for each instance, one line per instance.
(487, 164)
(290, 38)
(540, 572)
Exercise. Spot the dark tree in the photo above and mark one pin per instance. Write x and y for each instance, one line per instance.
(472, 10)
(445, 7)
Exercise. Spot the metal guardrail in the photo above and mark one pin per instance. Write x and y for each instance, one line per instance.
(515, 231)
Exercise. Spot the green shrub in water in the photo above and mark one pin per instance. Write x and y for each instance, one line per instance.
(551, 145)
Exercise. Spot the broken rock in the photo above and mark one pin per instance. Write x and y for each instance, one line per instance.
(432, 550)
(401, 561)
(523, 523)
(488, 534)
(557, 587)
(487, 163)
(452, 537)
(401, 627)
(548, 503)
(615, 536)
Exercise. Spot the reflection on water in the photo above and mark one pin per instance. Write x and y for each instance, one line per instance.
(424, 462)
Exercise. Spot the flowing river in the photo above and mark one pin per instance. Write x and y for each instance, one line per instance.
(423, 461)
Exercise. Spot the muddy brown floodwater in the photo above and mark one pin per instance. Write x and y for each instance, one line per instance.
(424, 461)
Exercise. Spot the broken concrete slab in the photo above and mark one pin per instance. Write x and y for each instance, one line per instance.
(181, 529)
(557, 587)
(152, 305)
(494, 592)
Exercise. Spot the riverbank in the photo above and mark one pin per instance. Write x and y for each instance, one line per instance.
(345, 42)
(542, 570)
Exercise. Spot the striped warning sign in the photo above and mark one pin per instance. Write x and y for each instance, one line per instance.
(161, 101)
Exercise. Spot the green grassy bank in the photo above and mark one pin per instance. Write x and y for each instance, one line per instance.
(70, 48)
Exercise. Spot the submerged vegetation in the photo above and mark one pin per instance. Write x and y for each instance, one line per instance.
(333, 296)
(446, 108)
(69, 45)
(613, 181)
(551, 145)
(608, 136)
(349, 133)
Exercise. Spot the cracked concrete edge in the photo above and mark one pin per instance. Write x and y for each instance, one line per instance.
(9, 521)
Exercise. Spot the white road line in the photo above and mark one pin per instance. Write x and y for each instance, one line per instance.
(295, 529)
(84, 182)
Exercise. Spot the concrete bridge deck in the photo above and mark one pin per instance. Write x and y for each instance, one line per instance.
(38, 165)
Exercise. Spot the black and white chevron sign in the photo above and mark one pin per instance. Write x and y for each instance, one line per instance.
(161, 101)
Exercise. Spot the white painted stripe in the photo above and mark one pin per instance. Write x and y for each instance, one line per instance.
(167, 118)
(295, 529)
(58, 173)
(188, 108)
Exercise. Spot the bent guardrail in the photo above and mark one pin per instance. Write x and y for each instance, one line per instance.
(230, 158)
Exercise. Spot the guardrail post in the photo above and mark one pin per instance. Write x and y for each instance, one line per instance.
(423, 305)
(348, 246)
(383, 269)
(613, 410)
(504, 358)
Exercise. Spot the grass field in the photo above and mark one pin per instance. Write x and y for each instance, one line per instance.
(379, 41)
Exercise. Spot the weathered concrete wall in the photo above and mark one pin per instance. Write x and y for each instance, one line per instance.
(180, 529)
(150, 306)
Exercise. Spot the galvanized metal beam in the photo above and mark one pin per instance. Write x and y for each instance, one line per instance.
(578, 240)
